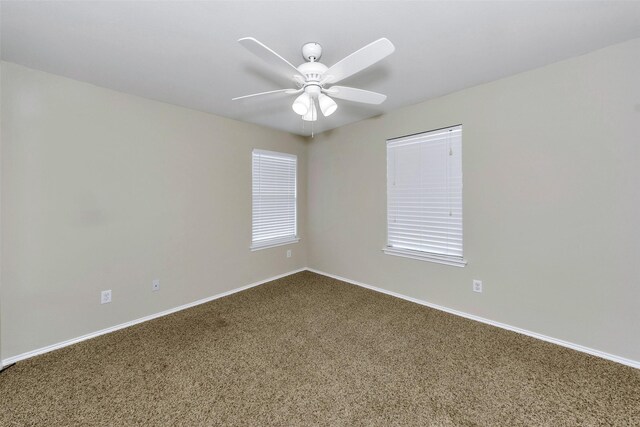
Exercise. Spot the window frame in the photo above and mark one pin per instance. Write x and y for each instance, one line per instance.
(441, 258)
(282, 240)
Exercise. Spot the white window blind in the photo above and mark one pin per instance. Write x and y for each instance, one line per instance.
(424, 196)
(274, 199)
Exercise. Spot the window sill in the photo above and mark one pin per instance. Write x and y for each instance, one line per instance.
(273, 243)
(426, 256)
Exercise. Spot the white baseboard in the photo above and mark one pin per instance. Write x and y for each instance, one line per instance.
(10, 360)
(577, 347)
(628, 362)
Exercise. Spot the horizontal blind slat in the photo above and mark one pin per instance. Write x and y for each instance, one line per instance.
(274, 196)
(424, 192)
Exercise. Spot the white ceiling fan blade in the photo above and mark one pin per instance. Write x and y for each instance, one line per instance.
(360, 59)
(300, 81)
(287, 91)
(276, 61)
(355, 95)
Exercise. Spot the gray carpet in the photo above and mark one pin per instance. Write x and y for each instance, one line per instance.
(309, 350)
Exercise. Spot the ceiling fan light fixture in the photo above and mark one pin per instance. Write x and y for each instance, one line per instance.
(302, 104)
(327, 105)
(312, 114)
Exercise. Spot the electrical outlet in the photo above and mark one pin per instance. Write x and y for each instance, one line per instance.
(289, 253)
(477, 285)
(155, 285)
(105, 297)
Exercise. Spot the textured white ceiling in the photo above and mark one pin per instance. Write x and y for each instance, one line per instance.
(186, 53)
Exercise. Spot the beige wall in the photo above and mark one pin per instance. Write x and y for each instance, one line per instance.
(1, 365)
(551, 201)
(102, 190)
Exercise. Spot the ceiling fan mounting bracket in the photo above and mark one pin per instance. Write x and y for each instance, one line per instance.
(311, 51)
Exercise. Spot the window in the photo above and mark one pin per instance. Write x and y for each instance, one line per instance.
(274, 199)
(424, 196)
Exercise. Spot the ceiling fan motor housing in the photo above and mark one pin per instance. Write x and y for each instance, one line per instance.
(312, 71)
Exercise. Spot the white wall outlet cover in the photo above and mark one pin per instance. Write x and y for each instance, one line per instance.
(477, 286)
(155, 285)
(105, 297)
(289, 253)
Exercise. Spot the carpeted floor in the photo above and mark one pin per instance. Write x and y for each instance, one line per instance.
(309, 350)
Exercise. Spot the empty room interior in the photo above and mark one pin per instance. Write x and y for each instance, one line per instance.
(344, 213)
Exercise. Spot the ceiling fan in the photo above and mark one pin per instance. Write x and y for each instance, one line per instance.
(315, 80)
